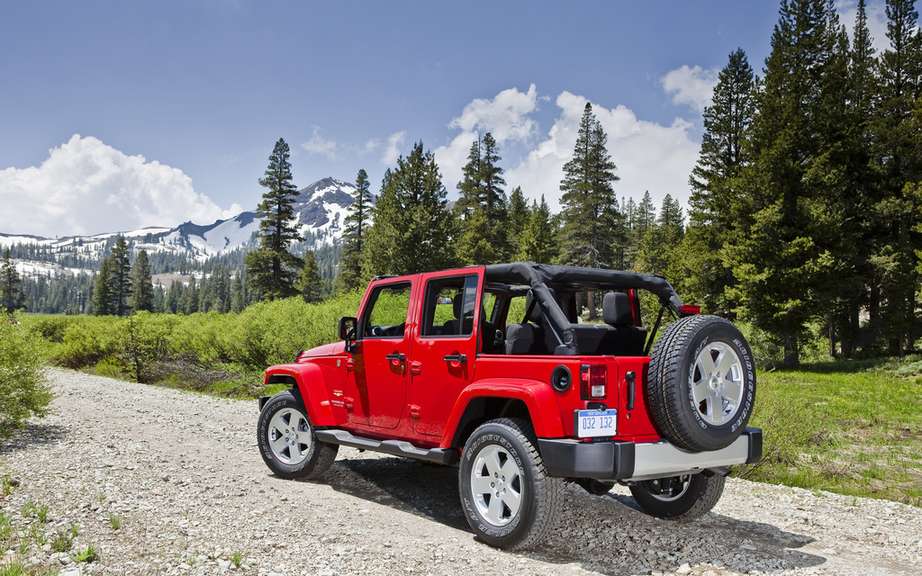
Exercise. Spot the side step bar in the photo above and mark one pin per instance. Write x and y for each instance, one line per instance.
(393, 447)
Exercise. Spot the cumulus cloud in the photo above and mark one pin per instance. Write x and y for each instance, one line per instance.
(649, 156)
(506, 116)
(88, 187)
(319, 145)
(389, 147)
(392, 147)
(690, 85)
(877, 21)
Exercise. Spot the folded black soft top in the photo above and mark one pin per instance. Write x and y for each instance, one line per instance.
(545, 278)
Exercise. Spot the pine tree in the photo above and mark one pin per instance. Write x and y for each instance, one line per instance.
(470, 186)
(588, 201)
(173, 303)
(309, 283)
(378, 254)
(517, 219)
(190, 293)
(120, 279)
(482, 206)
(704, 274)
(272, 268)
(538, 238)
(898, 160)
(777, 253)
(238, 293)
(102, 301)
(350, 264)
(142, 297)
(413, 229)
(11, 294)
(659, 245)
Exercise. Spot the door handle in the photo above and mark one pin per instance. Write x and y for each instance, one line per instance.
(396, 359)
(455, 358)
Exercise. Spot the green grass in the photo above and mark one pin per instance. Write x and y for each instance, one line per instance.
(13, 569)
(850, 427)
(237, 559)
(37, 511)
(115, 522)
(86, 555)
(63, 541)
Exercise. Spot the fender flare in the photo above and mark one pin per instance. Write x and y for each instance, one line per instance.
(537, 396)
(309, 385)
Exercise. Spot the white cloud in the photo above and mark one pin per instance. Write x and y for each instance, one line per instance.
(506, 116)
(649, 156)
(88, 187)
(877, 21)
(319, 145)
(691, 86)
(392, 148)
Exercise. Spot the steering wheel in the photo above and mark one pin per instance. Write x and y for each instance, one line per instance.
(377, 331)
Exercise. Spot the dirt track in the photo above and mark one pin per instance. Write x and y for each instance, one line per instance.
(183, 474)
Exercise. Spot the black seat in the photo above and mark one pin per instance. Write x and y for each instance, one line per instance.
(452, 327)
(520, 338)
(626, 339)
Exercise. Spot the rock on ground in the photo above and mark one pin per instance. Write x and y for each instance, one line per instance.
(182, 475)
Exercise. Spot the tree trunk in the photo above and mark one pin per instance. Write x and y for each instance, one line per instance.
(791, 352)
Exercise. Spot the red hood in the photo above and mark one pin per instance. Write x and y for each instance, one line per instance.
(325, 350)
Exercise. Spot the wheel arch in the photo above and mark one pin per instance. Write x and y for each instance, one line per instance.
(529, 400)
(308, 386)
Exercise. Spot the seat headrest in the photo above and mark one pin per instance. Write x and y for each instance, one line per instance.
(456, 304)
(616, 309)
(519, 338)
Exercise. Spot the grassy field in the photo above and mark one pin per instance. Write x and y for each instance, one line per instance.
(849, 427)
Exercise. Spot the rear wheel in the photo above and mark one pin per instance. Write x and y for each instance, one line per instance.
(506, 494)
(287, 441)
(680, 497)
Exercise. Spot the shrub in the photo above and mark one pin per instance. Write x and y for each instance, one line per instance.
(142, 340)
(23, 392)
(87, 340)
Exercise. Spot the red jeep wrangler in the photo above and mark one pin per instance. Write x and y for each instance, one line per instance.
(492, 368)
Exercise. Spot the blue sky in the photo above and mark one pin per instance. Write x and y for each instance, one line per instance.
(201, 90)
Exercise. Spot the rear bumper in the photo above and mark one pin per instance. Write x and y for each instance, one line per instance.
(612, 460)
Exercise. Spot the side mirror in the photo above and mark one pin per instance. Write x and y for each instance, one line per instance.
(347, 330)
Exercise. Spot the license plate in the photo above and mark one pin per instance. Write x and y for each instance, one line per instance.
(591, 423)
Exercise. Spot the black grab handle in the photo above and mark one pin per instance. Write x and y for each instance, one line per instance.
(459, 358)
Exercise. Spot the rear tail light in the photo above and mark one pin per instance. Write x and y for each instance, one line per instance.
(689, 309)
(592, 378)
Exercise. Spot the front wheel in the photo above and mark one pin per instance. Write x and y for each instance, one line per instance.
(287, 441)
(506, 494)
(680, 497)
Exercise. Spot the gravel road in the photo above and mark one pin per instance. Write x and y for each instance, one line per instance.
(183, 475)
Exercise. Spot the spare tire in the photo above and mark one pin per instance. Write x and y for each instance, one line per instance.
(701, 384)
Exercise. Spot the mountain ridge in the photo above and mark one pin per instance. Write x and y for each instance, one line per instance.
(320, 208)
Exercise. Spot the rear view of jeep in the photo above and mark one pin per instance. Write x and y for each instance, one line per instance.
(527, 376)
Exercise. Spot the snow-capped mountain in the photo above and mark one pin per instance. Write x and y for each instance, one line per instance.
(320, 209)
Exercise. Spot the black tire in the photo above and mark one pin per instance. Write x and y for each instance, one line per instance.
(540, 493)
(669, 392)
(595, 487)
(672, 499)
(320, 455)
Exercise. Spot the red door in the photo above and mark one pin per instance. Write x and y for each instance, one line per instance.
(382, 355)
(444, 346)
